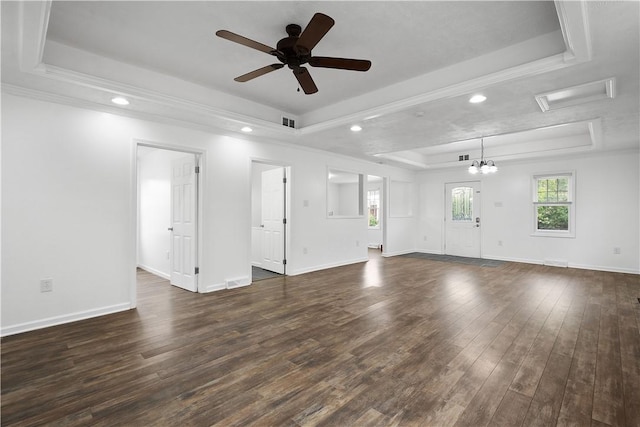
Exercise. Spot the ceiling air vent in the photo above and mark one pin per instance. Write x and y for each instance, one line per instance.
(290, 123)
(575, 95)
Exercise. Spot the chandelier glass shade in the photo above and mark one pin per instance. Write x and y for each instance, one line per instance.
(482, 166)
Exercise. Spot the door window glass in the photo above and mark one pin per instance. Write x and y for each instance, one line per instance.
(462, 204)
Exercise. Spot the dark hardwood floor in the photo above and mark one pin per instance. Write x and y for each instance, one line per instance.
(396, 341)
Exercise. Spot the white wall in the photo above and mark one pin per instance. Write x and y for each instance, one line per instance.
(68, 209)
(343, 199)
(348, 199)
(154, 204)
(607, 212)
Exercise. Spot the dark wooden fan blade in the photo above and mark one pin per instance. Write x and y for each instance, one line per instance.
(305, 80)
(259, 72)
(340, 63)
(319, 25)
(233, 37)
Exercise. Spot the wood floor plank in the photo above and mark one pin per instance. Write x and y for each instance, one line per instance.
(547, 400)
(530, 372)
(630, 349)
(392, 342)
(577, 404)
(608, 398)
(512, 410)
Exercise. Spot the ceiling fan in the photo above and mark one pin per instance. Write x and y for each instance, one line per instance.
(295, 51)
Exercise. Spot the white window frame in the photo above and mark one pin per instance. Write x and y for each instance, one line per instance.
(570, 203)
(376, 190)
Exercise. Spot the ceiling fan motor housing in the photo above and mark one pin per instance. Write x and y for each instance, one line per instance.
(288, 52)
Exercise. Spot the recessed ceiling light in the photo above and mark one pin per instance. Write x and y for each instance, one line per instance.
(476, 99)
(246, 129)
(120, 100)
(356, 128)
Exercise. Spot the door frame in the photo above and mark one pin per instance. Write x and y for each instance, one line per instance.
(134, 215)
(287, 210)
(444, 214)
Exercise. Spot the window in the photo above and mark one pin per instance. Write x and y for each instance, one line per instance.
(553, 205)
(462, 204)
(373, 206)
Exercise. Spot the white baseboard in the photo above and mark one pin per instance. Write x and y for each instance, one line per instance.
(396, 253)
(214, 287)
(325, 266)
(569, 264)
(238, 283)
(66, 318)
(154, 271)
(512, 259)
(602, 268)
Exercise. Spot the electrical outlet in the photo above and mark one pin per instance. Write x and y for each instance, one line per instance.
(424, 238)
(304, 251)
(46, 285)
(499, 242)
(616, 251)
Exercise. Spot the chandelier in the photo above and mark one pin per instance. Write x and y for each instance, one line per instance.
(483, 166)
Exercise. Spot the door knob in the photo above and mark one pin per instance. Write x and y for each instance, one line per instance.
(170, 228)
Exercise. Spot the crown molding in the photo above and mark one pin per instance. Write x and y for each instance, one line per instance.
(540, 66)
(34, 20)
(422, 159)
(154, 97)
(574, 24)
(76, 102)
(71, 101)
(572, 16)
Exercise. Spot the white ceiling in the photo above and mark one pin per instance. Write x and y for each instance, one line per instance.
(428, 58)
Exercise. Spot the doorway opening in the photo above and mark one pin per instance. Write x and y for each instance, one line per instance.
(270, 184)
(462, 219)
(168, 200)
(376, 218)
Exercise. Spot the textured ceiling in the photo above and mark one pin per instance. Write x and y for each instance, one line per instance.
(402, 39)
(428, 59)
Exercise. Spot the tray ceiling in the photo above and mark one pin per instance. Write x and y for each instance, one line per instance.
(428, 59)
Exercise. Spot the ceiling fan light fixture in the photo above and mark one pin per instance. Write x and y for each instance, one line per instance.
(477, 99)
(356, 128)
(246, 129)
(120, 100)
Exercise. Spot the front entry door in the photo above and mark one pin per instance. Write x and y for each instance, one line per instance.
(184, 209)
(273, 199)
(462, 220)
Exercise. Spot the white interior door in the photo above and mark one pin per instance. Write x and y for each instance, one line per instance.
(273, 214)
(462, 220)
(184, 223)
